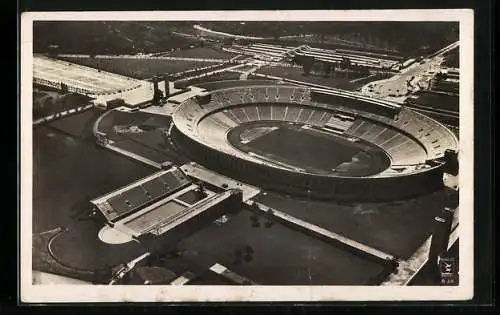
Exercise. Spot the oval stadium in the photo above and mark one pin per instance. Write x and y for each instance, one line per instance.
(327, 143)
(181, 153)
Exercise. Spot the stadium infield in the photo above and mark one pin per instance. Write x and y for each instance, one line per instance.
(311, 150)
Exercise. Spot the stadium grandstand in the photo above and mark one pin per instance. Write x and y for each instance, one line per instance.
(412, 143)
(157, 204)
(277, 53)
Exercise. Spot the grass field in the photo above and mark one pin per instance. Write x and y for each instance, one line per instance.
(270, 253)
(293, 145)
(398, 228)
(296, 74)
(139, 68)
(437, 101)
(329, 153)
(202, 52)
(47, 102)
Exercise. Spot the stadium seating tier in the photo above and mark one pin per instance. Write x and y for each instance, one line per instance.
(410, 139)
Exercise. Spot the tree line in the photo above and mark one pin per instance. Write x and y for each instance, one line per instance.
(311, 65)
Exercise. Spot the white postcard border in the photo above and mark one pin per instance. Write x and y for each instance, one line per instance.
(102, 293)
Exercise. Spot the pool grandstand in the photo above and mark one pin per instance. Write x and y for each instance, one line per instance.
(156, 204)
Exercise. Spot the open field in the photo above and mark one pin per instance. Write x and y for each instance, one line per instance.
(201, 52)
(294, 73)
(452, 58)
(139, 68)
(47, 102)
(397, 228)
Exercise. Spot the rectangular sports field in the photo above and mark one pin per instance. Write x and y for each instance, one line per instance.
(304, 149)
(293, 73)
(137, 67)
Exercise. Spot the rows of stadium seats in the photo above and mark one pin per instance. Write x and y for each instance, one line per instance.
(189, 114)
(355, 59)
(223, 120)
(266, 51)
(275, 99)
(275, 104)
(232, 116)
(323, 54)
(145, 193)
(230, 107)
(213, 128)
(402, 149)
(300, 96)
(434, 137)
(339, 123)
(260, 95)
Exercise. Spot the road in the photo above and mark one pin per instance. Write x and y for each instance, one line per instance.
(149, 57)
(396, 87)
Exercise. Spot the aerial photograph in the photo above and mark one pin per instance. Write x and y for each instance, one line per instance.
(195, 153)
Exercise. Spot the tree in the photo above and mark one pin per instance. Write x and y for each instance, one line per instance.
(157, 96)
(53, 51)
(298, 60)
(333, 69)
(64, 88)
(345, 63)
(227, 41)
(364, 71)
(307, 65)
(441, 76)
(326, 69)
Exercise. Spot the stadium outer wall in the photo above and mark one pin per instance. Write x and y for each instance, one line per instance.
(310, 185)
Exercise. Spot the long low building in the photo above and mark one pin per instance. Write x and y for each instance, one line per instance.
(100, 85)
(82, 79)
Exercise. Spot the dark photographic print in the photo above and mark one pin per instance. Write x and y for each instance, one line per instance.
(247, 156)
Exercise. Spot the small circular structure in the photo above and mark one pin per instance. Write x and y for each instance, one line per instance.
(110, 235)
